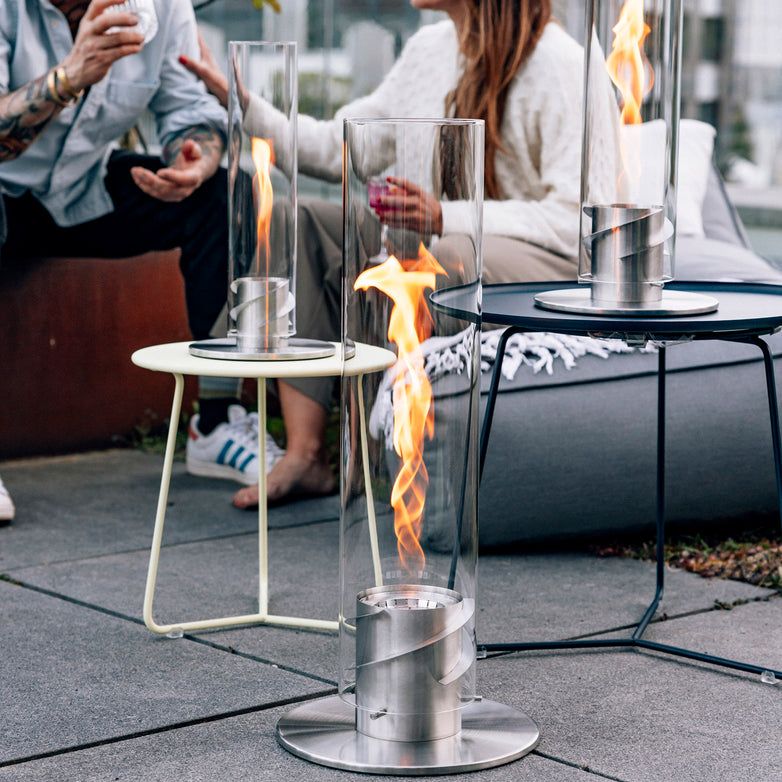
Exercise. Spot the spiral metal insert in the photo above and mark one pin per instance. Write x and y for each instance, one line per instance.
(626, 247)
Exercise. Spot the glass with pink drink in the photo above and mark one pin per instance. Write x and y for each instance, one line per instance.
(377, 187)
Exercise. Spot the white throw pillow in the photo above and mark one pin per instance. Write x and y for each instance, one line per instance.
(644, 156)
(696, 145)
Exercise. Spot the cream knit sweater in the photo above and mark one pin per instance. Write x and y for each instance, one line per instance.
(538, 176)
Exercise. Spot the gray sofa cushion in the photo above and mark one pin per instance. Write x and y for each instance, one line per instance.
(720, 218)
(712, 259)
(572, 454)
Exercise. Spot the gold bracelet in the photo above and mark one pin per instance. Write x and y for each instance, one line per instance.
(52, 88)
(63, 79)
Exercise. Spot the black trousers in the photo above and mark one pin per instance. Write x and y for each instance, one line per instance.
(139, 223)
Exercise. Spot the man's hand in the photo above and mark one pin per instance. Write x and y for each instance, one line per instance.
(194, 157)
(29, 110)
(95, 50)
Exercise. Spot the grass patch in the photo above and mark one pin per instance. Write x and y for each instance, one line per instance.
(754, 556)
(151, 436)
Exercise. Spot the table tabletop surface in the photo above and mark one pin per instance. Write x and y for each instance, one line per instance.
(744, 309)
(175, 357)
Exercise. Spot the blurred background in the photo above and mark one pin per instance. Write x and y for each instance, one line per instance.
(731, 76)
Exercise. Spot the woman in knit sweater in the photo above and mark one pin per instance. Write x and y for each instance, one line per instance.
(504, 61)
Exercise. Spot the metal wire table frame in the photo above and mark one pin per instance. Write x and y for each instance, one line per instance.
(747, 312)
(176, 359)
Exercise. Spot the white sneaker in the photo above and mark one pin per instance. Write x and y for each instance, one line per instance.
(7, 509)
(231, 450)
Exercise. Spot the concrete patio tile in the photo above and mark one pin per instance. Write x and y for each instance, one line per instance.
(111, 498)
(97, 503)
(207, 578)
(235, 750)
(219, 577)
(88, 693)
(751, 633)
(548, 596)
(72, 675)
(651, 717)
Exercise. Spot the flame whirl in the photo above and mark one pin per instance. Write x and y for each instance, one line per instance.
(263, 157)
(627, 65)
(633, 76)
(408, 326)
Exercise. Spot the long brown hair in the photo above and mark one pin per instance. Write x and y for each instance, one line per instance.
(498, 37)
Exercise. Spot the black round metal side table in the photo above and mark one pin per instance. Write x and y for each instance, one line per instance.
(746, 313)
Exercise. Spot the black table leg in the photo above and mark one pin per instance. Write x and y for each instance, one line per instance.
(488, 415)
(660, 505)
(636, 640)
(773, 412)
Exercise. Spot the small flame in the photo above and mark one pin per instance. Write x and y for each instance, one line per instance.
(408, 326)
(627, 65)
(263, 157)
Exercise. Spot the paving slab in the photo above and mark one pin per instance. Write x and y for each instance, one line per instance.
(751, 633)
(219, 577)
(102, 502)
(235, 750)
(207, 578)
(520, 597)
(555, 595)
(72, 675)
(82, 680)
(639, 716)
(111, 498)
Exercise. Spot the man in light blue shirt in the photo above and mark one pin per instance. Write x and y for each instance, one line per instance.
(74, 77)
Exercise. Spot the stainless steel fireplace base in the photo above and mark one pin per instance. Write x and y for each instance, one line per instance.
(290, 350)
(579, 301)
(324, 732)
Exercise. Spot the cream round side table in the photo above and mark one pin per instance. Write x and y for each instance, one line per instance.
(176, 359)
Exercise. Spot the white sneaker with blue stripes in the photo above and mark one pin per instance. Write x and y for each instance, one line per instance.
(7, 509)
(231, 450)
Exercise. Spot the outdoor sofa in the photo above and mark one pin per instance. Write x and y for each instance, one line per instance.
(572, 454)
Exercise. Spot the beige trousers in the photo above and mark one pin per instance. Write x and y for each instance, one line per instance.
(319, 273)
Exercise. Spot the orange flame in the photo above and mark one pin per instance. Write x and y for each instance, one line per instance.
(263, 157)
(628, 67)
(408, 325)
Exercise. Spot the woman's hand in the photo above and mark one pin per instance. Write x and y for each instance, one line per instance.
(408, 206)
(208, 71)
(95, 49)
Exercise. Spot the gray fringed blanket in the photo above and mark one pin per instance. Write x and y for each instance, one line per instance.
(448, 355)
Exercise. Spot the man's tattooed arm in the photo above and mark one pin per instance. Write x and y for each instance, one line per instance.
(25, 114)
(210, 141)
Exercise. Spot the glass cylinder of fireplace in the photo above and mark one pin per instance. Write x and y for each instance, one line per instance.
(262, 89)
(629, 153)
(413, 203)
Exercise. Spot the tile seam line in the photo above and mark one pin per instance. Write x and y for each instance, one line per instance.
(657, 621)
(244, 655)
(163, 729)
(145, 549)
(193, 638)
(579, 766)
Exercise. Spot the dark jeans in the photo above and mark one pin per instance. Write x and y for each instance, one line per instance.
(139, 223)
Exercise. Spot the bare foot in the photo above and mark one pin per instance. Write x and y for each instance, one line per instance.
(291, 477)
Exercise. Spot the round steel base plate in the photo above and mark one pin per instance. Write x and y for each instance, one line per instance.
(324, 732)
(674, 303)
(291, 350)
